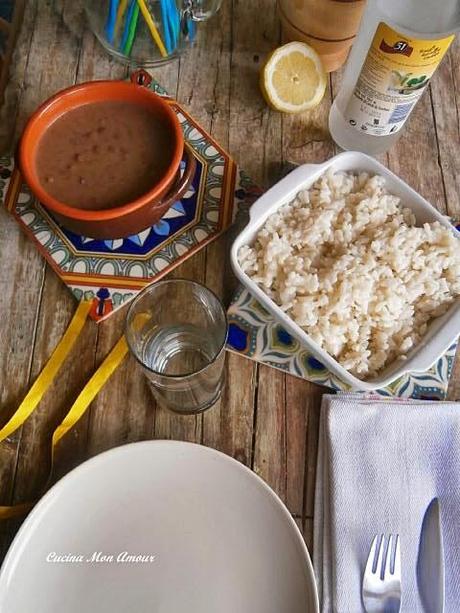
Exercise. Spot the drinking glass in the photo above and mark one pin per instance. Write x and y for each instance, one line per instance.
(147, 33)
(176, 330)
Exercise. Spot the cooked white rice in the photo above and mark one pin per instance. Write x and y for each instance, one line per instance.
(347, 263)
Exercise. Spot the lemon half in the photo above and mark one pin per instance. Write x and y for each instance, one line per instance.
(293, 78)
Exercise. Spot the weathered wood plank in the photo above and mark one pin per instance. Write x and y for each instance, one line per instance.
(56, 310)
(255, 130)
(445, 99)
(313, 402)
(16, 75)
(228, 427)
(52, 60)
(307, 530)
(21, 279)
(454, 385)
(124, 410)
(205, 92)
(420, 168)
(306, 136)
(297, 416)
(270, 429)
(11, 31)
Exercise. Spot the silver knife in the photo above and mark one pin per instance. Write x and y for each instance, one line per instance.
(430, 562)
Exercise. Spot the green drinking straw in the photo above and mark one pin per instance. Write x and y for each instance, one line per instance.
(132, 30)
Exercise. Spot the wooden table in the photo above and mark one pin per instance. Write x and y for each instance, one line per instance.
(265, 419)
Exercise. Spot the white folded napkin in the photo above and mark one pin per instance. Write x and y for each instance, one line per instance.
(380, 463)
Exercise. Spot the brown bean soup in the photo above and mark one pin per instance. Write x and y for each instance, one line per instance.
(104, 154)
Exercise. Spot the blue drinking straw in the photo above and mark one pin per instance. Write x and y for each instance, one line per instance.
(174, 21)
(111, 20)
(126, 29)
(191, 29)
(165, 18)
(169, 23)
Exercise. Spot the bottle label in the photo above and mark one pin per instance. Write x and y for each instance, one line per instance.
(394, 75)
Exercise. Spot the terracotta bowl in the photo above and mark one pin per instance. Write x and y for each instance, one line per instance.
(129, 218)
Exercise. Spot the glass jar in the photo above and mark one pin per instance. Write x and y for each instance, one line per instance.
(147, 33)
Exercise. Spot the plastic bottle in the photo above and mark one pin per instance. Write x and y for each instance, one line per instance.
(399, 46)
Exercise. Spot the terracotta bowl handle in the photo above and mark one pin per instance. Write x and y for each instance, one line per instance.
(182, 183)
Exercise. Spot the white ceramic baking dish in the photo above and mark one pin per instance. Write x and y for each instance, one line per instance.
(441, 333)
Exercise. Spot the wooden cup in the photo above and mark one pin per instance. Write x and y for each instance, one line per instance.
(329, 26)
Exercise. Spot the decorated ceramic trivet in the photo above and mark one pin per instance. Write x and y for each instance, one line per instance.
(112, 272)
(255, 334)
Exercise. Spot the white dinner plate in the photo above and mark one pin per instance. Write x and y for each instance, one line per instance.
(159, 527)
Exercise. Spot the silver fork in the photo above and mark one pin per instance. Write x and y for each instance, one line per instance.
(382, 577)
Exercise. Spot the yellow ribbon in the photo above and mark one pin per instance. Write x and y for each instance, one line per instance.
(90, 391)
(47, 375)
(80, 405)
